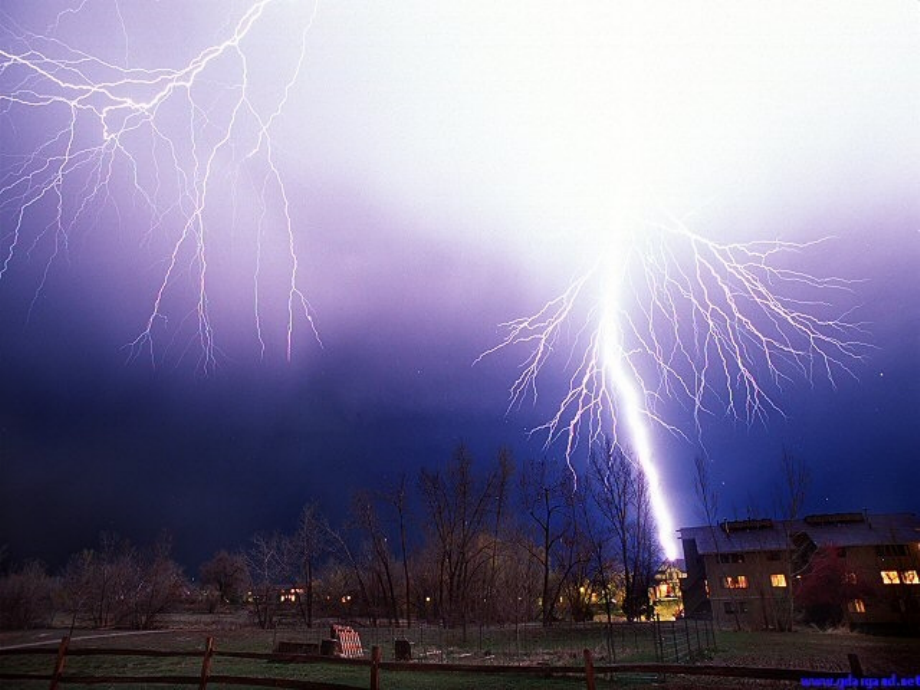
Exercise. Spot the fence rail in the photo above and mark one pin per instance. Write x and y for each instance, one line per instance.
(375, 665)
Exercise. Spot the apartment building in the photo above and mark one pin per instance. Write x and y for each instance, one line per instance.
(854, 568)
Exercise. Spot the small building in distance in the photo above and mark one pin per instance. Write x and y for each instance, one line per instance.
(843, 568)
(664, 594)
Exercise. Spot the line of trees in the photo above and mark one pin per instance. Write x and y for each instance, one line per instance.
(461, 544)
(115, 584)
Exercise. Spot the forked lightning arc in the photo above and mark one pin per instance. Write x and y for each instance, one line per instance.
(175, 134)
(666, 316)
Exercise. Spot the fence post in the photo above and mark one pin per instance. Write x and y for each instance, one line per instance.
(589, 670)
(611, 649)
(59, 663)
(375, 667)
(855, 666)
(676, 649)
(206, 663)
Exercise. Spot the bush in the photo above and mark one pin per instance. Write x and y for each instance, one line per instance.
(25, 598)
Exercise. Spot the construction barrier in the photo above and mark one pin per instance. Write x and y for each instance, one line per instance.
(348, 642)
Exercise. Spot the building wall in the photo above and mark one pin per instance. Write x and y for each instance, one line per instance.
(889, 599)
(754, 589)
(693, 586)
(750, 590)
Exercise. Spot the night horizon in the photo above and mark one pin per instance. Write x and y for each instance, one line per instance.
(434, 174)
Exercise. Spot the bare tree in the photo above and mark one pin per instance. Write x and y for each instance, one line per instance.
(547, 494)
(380, 561)
(398, 498)
(156, 583)
(598, 543)
(622, 498)
(343, 553)
(304, 549)
(705, 492)
(118, 584)
(518, 578)
(458, 508)
(795, 480)
(336, 590)
(97, 583)
(266, 561)
(26, 597)
(709, 502)
(76, 588)
(504, 473)
(226, 575)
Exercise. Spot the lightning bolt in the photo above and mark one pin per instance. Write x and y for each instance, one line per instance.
(175, 135)
(669, 316)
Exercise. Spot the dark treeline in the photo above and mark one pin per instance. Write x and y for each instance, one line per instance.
(463, 543)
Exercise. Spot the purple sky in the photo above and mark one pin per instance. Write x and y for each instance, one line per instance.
(447, 169)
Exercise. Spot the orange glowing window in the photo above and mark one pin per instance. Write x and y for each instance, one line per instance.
(778, 580)
(735, 582)
(891, 577)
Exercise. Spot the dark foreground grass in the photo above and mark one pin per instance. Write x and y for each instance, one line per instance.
(815, 651)
(819, 651)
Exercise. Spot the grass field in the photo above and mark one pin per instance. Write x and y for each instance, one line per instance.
(816, 651)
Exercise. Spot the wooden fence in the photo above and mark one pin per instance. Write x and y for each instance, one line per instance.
(375, 665)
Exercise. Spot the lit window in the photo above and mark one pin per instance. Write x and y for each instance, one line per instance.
(736, 582)
(778, 580)
(856, 606)
(909, 577)
(890, 577)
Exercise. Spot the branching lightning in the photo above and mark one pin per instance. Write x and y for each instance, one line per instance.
(176, 134)
(668, 315)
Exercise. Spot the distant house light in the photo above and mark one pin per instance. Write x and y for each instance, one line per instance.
(778, 580)
(909, 577)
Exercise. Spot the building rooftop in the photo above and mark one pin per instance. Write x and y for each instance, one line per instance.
(831, 529)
